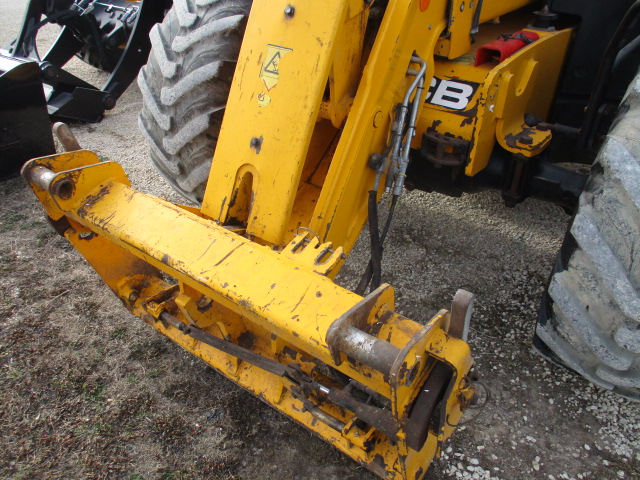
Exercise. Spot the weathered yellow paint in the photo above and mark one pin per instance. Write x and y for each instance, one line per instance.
(456, 40)
(342, 208)
(287, 197)
(283, 310)
(309, 54)
(524, 83)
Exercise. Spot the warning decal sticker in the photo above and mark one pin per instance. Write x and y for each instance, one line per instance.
(270, 71)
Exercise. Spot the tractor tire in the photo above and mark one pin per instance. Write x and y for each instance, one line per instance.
(185, 86)
(589, 320)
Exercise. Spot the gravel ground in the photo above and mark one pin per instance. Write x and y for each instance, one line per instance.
(88, 391)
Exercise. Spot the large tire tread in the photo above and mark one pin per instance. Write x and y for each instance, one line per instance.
(590, 316)
(185, 86)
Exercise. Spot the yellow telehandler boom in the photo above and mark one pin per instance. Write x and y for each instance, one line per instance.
(328, 101)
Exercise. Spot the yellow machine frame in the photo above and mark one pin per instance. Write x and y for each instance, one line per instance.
(253, 296)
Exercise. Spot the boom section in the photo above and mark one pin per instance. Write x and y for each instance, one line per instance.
(385, 390)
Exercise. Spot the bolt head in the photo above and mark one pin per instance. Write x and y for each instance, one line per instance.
(289, 11)
(255, 143)
(109, 102)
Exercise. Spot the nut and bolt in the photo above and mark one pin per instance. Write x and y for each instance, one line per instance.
(375, 161)
(256, 143)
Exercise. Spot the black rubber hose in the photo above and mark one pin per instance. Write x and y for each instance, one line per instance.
(368, 273)
(604, 75)
(62, 16)
(476, 21)
(374, 234)
(33, 31)
(376, 249)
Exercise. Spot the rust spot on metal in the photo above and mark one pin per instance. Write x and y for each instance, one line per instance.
(403, 370)
(234, 197)
(87, 235)
(165, 259)
(290, 352)
(521, 138)
(471, 114)
(256, 143)
(91, 200)
(466, 121)
(204, 303)
(224, 200)
(247, 339)
(245, 304)
(443, 149)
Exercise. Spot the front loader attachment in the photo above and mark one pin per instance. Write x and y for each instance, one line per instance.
(25, 129)
(110, 35)
(385, 390)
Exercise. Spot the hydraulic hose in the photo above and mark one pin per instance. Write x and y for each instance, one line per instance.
(604, 74)
(374, 234)
(368, 273)
(395, 163)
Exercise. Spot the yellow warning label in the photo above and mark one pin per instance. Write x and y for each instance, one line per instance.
(270, 70)
(264, 99)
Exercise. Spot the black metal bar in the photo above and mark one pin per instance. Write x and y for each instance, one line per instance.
(422, 412)
(25, 130)
(137, 50)
(379, 418)
(63, 49)
(23, 45)
(71, 97)
(604, 75)
(242, 353)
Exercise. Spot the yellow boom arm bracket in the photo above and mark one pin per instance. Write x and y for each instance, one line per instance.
(271, 321)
